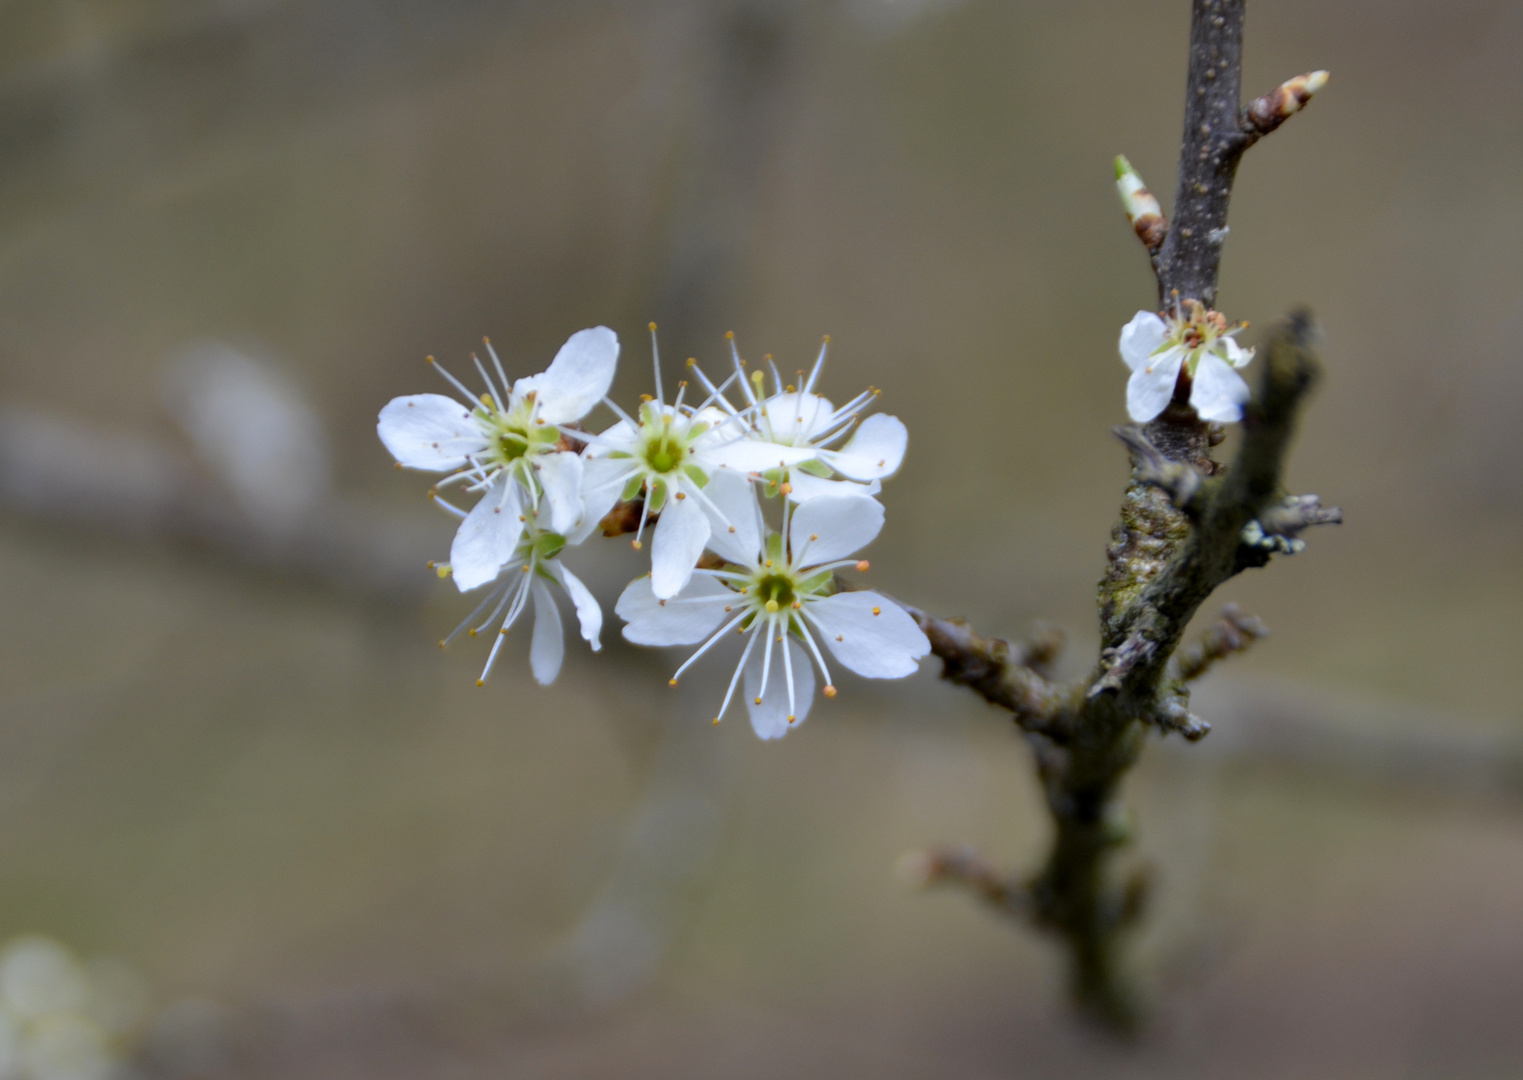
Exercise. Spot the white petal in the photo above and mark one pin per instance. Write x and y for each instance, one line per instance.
(738, 536)
(794, 418)
(875, 451)
(548, 647)
(885, 645)
(833, 527)
(560, 474)
(1235, 354)
(685, 619)
(1150, 388)
(589, 614)
(579, 376)
(770, 719)
(429, 431)
(1141, 338)
(751, 455)
(488, 537)
(603, 481)
(681, 535)
(806, 487)
(1219, 392)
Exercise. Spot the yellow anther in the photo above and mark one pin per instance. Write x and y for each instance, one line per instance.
(797, 604)
(716, 721)
(785, 487)
(758, 701)
(472, 633)
(671, 682)
(827, 339)
(646, 397)
(481, 682)
(862, 567)
(813, 537)
(790, 719)
(691, 362)
(877, 611)
(830, 691)
(729, 335)
(635, 544)
(652, 328)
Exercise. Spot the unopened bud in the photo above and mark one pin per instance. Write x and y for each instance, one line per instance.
(1142, 209)
(1284, 101)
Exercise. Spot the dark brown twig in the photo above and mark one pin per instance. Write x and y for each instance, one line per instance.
(1233, 632)
(1181, 534)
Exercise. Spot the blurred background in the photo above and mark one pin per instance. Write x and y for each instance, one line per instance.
(232, 757)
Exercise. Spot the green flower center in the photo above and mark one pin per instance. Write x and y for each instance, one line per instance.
(775, 588)
(664, 453)
(514, 434)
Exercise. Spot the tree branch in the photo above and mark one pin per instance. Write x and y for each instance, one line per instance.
(1213, 144)
(1004, 675)
(1181, 534)
(1233, 632)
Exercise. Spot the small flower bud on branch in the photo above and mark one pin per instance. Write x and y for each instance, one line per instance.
(1280, 104)
(1142, 208)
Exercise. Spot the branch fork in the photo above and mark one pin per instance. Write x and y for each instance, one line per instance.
(1188, 524)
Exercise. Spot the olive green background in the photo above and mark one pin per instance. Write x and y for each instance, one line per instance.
(271, 790)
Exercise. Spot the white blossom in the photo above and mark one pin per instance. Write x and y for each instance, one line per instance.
(799, 419)
(684, 461)
(505, 445)
(1191, 340)
(779, 591)
(528, 574)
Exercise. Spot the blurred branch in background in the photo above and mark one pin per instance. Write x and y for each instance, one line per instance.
(224, 488)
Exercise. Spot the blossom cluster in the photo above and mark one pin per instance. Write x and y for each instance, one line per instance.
(755, 498)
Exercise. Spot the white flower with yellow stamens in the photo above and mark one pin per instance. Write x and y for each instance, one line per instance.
(505, 445)
(534, 566)
(679, 459)
(1192, 342)
(780, 592)
(799, 419)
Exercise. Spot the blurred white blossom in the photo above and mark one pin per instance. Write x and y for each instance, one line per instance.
(63, 1020)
